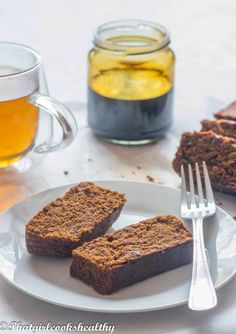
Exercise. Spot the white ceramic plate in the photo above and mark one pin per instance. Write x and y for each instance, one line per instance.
(48, 278)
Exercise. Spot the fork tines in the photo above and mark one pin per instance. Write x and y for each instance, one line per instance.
(192, 200)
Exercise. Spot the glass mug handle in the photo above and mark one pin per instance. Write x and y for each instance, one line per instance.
(63, 116)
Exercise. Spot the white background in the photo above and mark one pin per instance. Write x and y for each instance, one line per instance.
(204, 39)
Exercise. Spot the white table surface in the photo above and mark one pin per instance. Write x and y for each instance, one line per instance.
(204, 39)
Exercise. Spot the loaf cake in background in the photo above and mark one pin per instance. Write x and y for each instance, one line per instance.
(85, 212)
(133, 254)
(216, 145)
(228, 113)
(219, 153)
(221, 127)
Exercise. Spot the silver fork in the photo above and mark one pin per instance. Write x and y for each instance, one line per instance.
(202, 294)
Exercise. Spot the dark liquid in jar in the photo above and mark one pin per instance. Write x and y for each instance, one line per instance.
(129, 120)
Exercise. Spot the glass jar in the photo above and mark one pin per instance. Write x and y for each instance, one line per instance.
(130, 82)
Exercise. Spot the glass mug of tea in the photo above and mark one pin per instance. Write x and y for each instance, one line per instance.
(21, 99)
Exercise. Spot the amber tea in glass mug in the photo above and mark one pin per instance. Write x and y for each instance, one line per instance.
(20, 102)
(130, 82)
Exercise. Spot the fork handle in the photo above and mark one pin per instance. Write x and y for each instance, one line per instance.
(202, 294)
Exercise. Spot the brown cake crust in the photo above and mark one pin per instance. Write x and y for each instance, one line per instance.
(85, 212)
(221, 127)
(133, 254)
(217, 151)
(227, 113)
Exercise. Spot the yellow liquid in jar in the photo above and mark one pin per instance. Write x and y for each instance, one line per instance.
(131, 76)
(131, 84)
